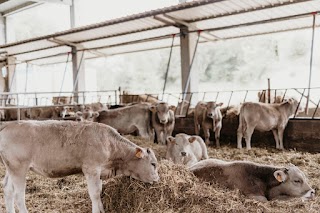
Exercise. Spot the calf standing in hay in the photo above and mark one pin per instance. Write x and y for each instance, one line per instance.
(186, 149)
(265, 117)
(162, 120)
(257, 181)
(60, 148)
(208, 116)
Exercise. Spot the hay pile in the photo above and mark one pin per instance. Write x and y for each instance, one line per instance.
(178, 190)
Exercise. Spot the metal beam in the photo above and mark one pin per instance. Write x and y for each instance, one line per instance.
(3, 29)
(20, 8)
(78, 46)
(65, 2)
(206, 35)
(72, 15)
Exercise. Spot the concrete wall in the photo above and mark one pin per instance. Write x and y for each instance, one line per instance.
(300, 134)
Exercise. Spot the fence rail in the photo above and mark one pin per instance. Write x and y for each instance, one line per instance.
(236, 97)
(113, 97)
(36, 99)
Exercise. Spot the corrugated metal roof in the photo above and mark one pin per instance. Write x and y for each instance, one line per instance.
(225, 19)
(8, 6)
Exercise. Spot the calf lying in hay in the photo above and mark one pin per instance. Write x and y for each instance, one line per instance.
(181, 191)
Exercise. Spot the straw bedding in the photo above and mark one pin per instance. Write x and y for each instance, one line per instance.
(178, 190)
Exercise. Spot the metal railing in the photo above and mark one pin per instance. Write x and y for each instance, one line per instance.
(28, 100)
(112, 97)
(236, 97)
(33, 99)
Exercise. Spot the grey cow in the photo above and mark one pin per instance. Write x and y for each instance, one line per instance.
(257, 181)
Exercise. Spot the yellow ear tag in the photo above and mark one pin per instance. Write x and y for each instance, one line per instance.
(139, 153)
(279, 178)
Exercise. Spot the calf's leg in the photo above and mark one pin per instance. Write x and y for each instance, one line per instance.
(196, 125)
(158, 136)
(8, 193)
(280, 135)
(239, 137)
(144, 133)
(94, 188)
(18, 179)
(206, 132)
(217, 136)
(276, 138)
(248, 134)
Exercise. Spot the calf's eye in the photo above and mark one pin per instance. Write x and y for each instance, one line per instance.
(297, 181)
(153, 164)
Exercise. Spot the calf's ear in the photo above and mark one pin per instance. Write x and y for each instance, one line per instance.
(170, 139)
(203, 105)
(219, 104)
(95, 114)
(290, 101)
(192, 139)
(172, 107)
(280, 176)
(153, 108)
(139, 153)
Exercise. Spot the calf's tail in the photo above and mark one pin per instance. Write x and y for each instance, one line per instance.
(242, 120)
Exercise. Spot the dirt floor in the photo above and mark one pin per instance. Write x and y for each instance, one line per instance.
(178, 190)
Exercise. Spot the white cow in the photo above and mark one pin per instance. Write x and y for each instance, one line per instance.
(186, 149)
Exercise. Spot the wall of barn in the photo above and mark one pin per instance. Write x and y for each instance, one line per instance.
(300, 134)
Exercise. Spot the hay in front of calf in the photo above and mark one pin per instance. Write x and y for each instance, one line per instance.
(180, 191)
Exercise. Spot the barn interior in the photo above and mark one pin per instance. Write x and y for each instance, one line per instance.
(181, 27)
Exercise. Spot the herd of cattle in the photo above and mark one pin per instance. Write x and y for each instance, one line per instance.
(95, 146)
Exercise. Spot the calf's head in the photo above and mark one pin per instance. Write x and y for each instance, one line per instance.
(180, 147)
(294, 106)
(293, 183)
(162, 110)
(211, 108)
(143, 166)
(86, 115)
(66, 111)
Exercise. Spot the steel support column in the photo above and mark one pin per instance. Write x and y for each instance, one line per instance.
(311, 61)
(78, 67)
(11, 75)
(3, 28)
(187, 48)
(72, 15)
